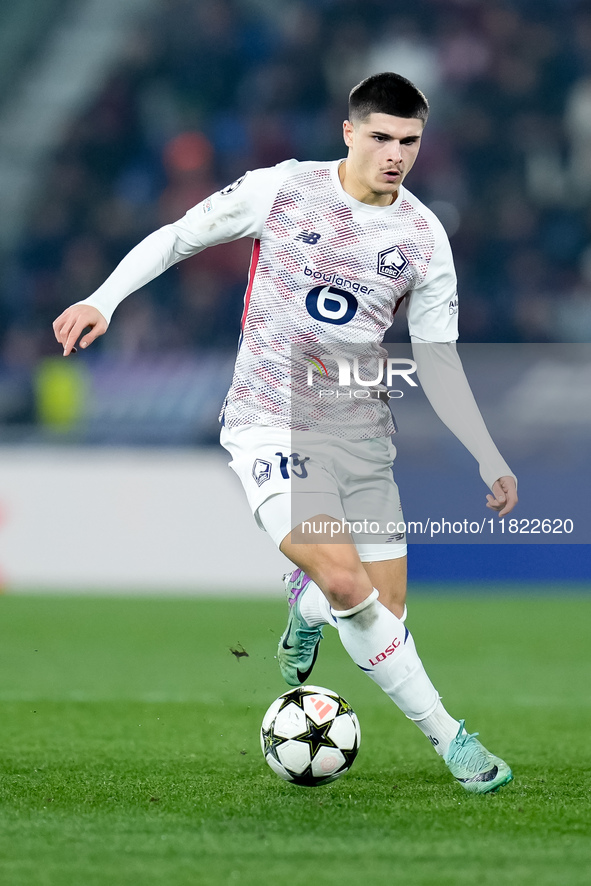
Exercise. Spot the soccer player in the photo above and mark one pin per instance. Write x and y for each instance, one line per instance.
(338, 247)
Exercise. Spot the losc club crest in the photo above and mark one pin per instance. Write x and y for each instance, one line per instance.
(392, 262)
(261, 470)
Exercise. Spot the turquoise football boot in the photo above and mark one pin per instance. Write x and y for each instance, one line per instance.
(476, 769)
(299, 644)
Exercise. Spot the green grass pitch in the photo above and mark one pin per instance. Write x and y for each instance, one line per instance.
(130, 752)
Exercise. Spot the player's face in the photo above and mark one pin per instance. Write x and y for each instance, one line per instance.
(382, 151)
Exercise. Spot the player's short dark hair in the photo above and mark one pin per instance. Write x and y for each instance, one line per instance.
(387, 93)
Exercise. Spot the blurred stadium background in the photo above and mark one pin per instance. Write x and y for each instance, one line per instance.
(116, 116)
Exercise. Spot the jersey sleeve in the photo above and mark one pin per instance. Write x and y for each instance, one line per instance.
(445, 384)
(239, 210)
(432, 309)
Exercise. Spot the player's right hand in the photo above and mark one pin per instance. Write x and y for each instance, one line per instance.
(70, 325)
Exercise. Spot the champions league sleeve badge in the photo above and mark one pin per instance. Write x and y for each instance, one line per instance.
(230, 188)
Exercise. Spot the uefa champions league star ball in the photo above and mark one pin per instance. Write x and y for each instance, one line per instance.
(310, 736)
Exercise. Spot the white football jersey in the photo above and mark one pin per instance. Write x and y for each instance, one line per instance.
(327, 274)
(326, 277)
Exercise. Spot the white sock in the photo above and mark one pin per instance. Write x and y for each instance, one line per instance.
(314, 606)
(379, 644)
(440, 728)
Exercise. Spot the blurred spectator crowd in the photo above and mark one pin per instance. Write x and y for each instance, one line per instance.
(209, 89)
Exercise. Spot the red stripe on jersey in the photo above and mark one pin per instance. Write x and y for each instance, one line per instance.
(398, 303)
(254, 260)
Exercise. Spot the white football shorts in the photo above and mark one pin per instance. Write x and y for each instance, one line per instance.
(291, 477)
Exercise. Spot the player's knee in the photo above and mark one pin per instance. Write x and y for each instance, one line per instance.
(345, 587)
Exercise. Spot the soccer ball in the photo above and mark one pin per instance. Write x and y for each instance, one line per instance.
(310, 736)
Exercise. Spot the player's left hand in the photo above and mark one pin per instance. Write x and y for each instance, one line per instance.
(504, 497)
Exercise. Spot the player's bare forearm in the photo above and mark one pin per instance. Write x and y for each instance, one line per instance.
(70, 325)
(504, 496)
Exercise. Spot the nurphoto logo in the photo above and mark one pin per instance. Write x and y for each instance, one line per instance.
(369, 374)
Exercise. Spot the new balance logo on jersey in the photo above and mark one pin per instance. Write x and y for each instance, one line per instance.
(392, 262)
(309, 237)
